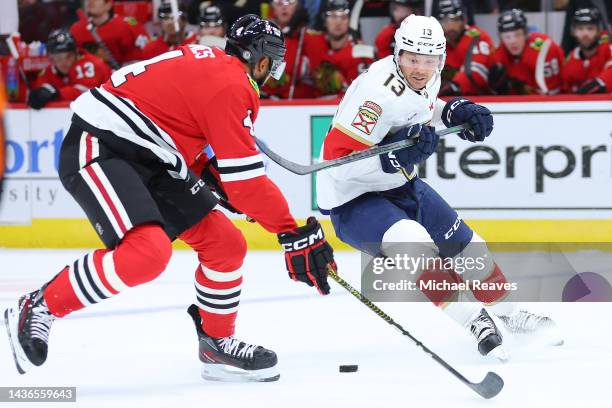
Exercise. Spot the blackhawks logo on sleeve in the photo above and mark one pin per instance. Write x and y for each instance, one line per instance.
(367, 117)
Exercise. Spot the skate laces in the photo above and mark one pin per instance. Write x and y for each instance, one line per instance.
(524, 321)
(40, 321)
(232, 346)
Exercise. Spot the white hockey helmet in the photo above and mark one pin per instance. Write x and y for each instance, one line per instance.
(421, 35)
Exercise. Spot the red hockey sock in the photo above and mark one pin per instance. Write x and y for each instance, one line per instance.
(434, 283)
(218, 300)
(495, 294)
(221, 250)
(140, 257)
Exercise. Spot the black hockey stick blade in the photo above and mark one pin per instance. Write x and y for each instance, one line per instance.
(489, 387)
(303, 169)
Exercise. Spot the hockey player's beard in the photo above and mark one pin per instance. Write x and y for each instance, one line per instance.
(453, 36)
(337, 37)
(589, 47)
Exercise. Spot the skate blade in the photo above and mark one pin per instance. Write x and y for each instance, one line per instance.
(500, 353)
(11, 321)
(222, 372)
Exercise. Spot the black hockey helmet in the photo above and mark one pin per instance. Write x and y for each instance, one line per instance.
(511, 20)
(587, 16)
(60, 40)
(450, 8)
(337, 6)
(165, 11)
(211, 16)
(250, 38)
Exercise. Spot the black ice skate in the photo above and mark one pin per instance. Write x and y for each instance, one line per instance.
(525, 322)
(230, 359)
(28, 325)
(488, 337)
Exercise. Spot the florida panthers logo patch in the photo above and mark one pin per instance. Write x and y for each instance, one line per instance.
(367, 117)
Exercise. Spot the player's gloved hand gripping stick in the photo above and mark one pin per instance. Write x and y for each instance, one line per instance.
(426, 142)
(308, 256)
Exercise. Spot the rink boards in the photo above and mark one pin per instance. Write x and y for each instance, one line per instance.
(543, 175)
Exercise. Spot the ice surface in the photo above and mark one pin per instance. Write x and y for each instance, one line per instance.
(139, 349)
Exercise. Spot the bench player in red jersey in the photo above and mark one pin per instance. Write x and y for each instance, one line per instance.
(123, 37)
(588, 67)
(525, 63)
(70, 73)
(169, 39)
(469, 52)
(336, 57)
(129, 159)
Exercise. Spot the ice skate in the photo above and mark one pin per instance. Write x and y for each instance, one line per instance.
(28, 324)
(230, 359)
(488, 336)
(538, 327)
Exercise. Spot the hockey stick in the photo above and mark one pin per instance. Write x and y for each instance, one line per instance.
(10, 43)
(94, 33)
(489, 387)
(539, 69)
(297, 64)
(355, 14)
(303, 169)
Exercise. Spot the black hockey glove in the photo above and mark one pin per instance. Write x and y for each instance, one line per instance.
(498, 79)
(427, 140)
(39, 97)
(592, 86)
(308, 255)
(460, 110)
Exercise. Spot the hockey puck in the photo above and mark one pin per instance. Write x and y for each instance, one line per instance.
(350, 368)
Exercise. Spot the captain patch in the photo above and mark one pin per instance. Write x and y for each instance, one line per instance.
(367, 117)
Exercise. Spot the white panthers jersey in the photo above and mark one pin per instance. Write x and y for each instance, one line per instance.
(377, 103)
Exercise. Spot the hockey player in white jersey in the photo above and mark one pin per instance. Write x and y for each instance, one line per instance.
(380, 201)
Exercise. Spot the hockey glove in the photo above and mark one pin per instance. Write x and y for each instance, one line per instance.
(592, 86)
(308, 255)
(498, 79)
(39, 97)
(426, 138)
(460, 110)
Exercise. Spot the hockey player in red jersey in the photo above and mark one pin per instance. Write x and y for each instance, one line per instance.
(70, 74)
(525, 63)
(588, 67)
(399, 10)
(129, 160)
(169, 39)
(213, 27)
(469, 52)
(292, 18)
(336, 57)
(122, 37)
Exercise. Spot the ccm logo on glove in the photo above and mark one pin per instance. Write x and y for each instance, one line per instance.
(304, 242)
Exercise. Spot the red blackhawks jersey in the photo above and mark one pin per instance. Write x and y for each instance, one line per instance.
(385, 41)
(87, 72)
(474, 78)
(538, 70)
(123, 36)
(350, 61)
(579, 69)
(159, 46)
(184, 101)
